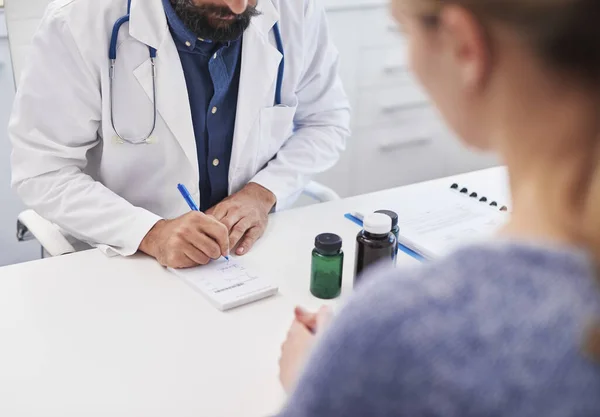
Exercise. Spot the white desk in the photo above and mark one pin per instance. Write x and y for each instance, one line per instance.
(85, 335)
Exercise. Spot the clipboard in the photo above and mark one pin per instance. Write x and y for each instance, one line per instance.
(431, 225)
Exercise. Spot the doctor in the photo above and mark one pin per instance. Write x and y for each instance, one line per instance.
(238, 100)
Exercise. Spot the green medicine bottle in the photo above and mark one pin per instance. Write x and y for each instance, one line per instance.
(327, 266)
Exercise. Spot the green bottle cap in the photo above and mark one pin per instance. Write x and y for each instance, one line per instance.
(328, 243)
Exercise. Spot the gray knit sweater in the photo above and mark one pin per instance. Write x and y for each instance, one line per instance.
(492, 330)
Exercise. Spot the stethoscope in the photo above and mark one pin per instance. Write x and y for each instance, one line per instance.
(112, 56)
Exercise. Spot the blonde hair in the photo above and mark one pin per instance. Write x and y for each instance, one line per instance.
(565, 35)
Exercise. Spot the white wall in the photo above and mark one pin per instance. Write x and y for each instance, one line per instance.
(11, 251)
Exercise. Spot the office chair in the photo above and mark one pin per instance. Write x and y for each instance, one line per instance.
(22, 19)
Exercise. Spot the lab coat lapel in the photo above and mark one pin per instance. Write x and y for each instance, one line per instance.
(260, 63)
(149, 25)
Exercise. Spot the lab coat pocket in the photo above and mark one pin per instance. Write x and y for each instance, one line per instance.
(276, 126)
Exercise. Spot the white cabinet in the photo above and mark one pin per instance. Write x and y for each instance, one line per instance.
(11, 251)
(397, 138)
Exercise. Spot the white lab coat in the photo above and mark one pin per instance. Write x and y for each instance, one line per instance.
(69, 167)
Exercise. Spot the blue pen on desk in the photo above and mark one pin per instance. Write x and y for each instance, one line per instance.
(190, 201)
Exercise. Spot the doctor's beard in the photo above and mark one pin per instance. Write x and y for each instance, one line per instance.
(212, 22)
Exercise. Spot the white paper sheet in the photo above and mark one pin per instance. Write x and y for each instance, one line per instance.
(227, 284)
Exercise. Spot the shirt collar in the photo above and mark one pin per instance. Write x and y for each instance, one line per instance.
(178, 28)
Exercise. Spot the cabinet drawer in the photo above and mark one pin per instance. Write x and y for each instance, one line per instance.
(397, 156)
(3, 33)
(411, 128)
(383, 66)
(380, 28)
(333, 5)
(383, 106)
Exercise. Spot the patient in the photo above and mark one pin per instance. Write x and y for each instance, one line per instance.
(506, 328)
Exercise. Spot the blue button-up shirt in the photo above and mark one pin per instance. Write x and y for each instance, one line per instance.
(212, 75)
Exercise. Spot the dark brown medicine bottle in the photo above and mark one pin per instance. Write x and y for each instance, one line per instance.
(394, 216)
(375, 243)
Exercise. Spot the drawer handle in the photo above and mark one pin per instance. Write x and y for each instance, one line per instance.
(394, 145)
(394, 69)
(393, 28)
(397, 108)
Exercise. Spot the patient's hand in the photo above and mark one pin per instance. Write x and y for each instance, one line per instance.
(299, 342)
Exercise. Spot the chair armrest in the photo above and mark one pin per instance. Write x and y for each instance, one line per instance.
(45, 232)
(320, 192)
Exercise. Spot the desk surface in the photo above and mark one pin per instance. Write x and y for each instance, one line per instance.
(88, 335)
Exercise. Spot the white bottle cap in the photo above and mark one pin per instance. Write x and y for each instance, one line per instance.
(377, 224)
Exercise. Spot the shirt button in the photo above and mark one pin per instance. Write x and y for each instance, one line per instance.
(215, 56)
(216, 162)
(214, 110)
(188, 43)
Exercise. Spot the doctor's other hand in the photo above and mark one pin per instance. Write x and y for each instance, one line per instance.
(246, 215)
(299, 342)
(190, 240)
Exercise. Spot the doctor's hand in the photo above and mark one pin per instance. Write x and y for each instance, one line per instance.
(190, 240)
(245, 214)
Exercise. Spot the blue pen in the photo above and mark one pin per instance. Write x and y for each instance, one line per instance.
(190, 201)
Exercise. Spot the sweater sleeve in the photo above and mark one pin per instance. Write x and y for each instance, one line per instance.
(353, 370)
(489, 331)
